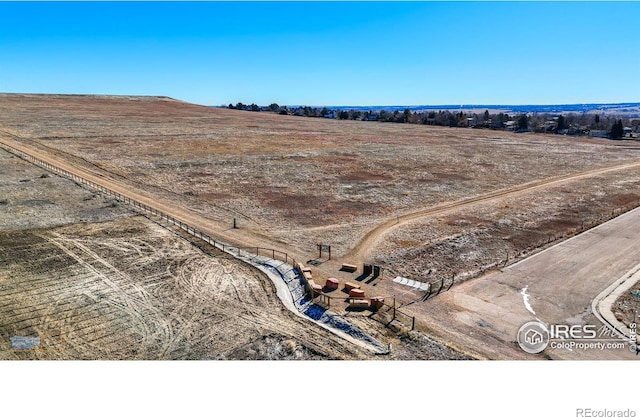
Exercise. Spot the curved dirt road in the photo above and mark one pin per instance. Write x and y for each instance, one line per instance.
(363, 248)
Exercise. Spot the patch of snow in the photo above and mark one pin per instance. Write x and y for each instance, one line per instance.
(525, 298)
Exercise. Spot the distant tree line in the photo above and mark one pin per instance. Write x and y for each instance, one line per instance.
(565, 124)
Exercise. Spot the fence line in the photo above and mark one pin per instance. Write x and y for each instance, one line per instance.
(287, 269)
(141, 207)
(446, 283)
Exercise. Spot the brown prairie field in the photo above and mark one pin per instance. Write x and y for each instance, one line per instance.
(427, 203)
(94, 280)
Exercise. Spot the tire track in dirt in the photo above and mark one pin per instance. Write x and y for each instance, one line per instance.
(186, 278)
(139, 305)
(116, 292)
(218, 286)
(228, 293)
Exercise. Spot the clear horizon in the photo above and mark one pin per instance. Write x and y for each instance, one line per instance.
(344, 54)
(443, 105)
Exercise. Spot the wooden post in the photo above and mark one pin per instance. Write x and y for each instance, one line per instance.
(413, 323)
(394, 307)
(235, 225)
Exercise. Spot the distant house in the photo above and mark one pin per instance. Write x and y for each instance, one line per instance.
(511, 125)
(550, 125)
(331, 115)
(373, 117)
(598, 134)
(578, 130)
(471, 122)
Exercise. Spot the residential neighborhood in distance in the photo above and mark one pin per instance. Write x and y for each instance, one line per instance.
(614, 121)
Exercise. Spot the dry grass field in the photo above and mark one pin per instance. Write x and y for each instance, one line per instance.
(292, 182)
(293, 179)
(94, 280)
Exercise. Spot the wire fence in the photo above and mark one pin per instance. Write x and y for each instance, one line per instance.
(278, 261)
(436, 286)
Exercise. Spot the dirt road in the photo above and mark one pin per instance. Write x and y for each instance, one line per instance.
(238, 237)
(365, 246)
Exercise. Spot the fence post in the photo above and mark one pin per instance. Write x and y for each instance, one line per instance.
(394, 308)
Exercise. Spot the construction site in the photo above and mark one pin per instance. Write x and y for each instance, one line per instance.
(149, 228)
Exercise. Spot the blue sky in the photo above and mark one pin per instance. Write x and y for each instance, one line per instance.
(332, 53)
